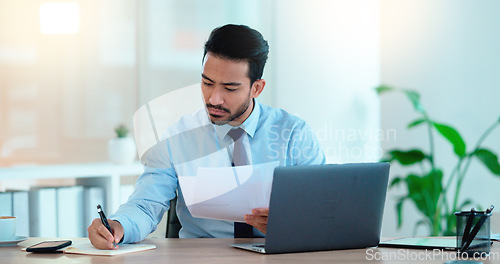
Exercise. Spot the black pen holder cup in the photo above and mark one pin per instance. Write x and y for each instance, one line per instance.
(473, 233)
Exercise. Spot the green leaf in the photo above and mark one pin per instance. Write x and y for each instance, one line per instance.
(121, 131)
(406, 157)
(415, 100)
(412, 95)
(383, 88)
(395, 181)
(399, 210)
(425, 191)
(416, 186)
(489, 159)
(416, 123)
(453, 137)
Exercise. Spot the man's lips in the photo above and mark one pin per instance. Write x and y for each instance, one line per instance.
(216, 112)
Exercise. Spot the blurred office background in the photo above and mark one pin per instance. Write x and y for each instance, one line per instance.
(64, 86)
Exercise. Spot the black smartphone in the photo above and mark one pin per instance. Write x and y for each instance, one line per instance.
(48, 246)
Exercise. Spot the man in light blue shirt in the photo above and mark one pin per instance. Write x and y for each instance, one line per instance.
(233, 64)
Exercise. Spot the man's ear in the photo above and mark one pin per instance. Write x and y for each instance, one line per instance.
(258, 87)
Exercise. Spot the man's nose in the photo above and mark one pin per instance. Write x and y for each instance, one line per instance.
(216, 98)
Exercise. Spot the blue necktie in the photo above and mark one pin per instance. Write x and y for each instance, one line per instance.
(241, 230)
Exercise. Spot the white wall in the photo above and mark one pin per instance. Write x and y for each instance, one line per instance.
(326, 63)
(172, 35)
(448, 51)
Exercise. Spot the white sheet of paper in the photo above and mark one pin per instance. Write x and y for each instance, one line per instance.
(228, 193)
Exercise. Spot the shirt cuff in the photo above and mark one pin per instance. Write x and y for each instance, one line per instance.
(127, 234)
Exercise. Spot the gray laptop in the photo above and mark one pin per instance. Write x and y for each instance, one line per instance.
(325, 207)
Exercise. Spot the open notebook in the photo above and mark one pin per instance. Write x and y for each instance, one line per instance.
(445, 243)
(84, 247)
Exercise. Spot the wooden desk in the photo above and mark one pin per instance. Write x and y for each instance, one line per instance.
(218, 251)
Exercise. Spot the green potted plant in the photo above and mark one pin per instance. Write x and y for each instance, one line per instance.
(427, 188)
(121, 149)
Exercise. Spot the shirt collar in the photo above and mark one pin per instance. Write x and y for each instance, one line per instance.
(249, 125)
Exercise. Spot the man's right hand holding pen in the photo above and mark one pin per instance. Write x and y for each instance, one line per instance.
(100, 236)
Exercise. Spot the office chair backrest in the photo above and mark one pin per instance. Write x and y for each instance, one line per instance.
(173, 224)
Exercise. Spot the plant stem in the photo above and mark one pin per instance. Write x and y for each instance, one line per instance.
(454, 173)
(431, 139)
(443, 199)
(436, 217)
(461, 175)
(486, 134)
(436, 228)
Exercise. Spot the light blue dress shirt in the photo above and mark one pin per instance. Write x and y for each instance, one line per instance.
(194, 142)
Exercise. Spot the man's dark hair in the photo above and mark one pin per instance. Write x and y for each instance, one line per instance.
(239, 42)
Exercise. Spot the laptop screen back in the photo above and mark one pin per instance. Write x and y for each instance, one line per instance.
(323, 207)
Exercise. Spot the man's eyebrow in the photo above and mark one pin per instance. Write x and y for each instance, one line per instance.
(226, 84)
(205, 77)
(231, 84)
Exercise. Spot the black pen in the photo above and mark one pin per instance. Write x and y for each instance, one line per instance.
(468, 226)
(104, 221)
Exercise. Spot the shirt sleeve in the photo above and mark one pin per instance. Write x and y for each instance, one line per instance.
(153, 191)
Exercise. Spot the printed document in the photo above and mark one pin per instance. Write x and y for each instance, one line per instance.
(228, 193)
